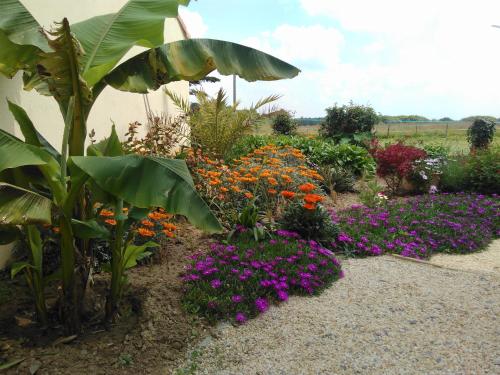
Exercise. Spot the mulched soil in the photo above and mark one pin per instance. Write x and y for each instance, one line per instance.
(150, 337)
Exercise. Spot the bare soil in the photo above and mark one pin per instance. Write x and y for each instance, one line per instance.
(150, 337)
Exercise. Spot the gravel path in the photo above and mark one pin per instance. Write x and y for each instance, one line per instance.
(387, 316)
(484, 261)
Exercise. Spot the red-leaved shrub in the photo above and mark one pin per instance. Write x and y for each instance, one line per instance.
(394, 162)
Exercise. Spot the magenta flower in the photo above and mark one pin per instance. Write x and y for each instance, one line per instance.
(216, 283)
(240, 317)
(282, 295)
(236, 298)
(261, 304)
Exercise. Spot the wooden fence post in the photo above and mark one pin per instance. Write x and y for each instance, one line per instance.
(446, 134)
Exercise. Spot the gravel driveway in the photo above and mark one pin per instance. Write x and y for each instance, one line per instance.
(387, 316)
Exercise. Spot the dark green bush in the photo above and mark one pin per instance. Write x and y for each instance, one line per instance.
(313, 224)
(283, 123)
(480, 134)
(454, 176)
(348, 121)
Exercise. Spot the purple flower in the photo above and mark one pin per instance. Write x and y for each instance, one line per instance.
(261, 304)
(236, 298)
(212, 305)
(240, 317)
(282, 295)
(312, 267)
(216, 283)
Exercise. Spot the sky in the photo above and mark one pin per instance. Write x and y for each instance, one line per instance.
(434, 58)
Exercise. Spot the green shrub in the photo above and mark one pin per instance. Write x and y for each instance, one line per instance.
(483, 172)
(454, 176)
(480, 134)
(337, 179)
(322, 152)
(348, 121)
(283, 123)
(312, 224)
(371, 194)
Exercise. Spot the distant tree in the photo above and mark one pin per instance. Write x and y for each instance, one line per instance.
(402, 118)
(352, 122)
(445, 119)
(474, 118)
(284, 123)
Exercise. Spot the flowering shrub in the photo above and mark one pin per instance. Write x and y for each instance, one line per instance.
(420, 226)
(154, 226)
(395, 162)
(269, 177)
(237, 282)
(426, 172)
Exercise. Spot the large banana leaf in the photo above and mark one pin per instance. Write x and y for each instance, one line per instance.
(150, 182)
(15, 153)
(19, 206)
(31, 135)
(20, 38)
(106, 39)
(193, 59)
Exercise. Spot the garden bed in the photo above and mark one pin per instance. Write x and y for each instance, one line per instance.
(150, 336)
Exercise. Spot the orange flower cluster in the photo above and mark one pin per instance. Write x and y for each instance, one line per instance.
(157, 222)
(270, 175)
(311, 201)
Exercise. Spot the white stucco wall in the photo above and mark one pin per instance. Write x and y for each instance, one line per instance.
(112, 105)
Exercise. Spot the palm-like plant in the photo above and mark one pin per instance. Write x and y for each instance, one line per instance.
(73, 64)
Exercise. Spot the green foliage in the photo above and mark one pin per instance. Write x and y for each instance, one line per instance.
(403, 118)
(322, 152)
(474, 118)
(337, 179)
(348, 121)
(371, 194)
(313, 224)
(483, 171)
(454, 178)
(216, 125)
(283, 123)
(480, 134)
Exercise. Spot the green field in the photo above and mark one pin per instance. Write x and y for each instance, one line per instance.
(451, 135)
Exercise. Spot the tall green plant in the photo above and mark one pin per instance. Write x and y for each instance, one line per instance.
(74, 64)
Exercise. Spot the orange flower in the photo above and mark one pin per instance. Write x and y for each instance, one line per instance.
(309, 206)
(313, 198)
(169, 226)
(110, 221)
(224, 190)
(168, 233)
(145, 232)
(288, 194)
(272, 191)
(125, 210)
(157, 215)
(272, 181)
(249, 195)
(307, 187)
(215, 182)
(56, 229)
(106, 213)
(147, 223)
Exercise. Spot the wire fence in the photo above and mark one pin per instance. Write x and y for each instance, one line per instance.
(415, 127)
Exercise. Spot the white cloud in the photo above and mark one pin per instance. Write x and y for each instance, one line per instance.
(194, 23)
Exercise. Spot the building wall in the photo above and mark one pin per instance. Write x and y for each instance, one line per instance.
(112, 106)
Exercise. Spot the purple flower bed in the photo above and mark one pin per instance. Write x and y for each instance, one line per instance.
(419, 226)
(240, 281)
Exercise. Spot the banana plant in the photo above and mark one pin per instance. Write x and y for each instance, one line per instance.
(74, 64)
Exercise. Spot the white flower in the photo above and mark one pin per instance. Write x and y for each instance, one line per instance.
(423, 175)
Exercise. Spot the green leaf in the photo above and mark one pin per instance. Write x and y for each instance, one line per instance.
(9, 234)
(15, 153)
(60, 71)
(107, 147)
(31, 135)
(19, 206)
(192, 60)
(18, 267)
(20, 38)
(135, 252)
(147, 181)
(107, 38)
(36, 246)
(89, 229)
(5, 366)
